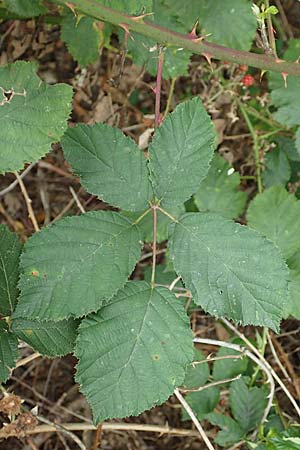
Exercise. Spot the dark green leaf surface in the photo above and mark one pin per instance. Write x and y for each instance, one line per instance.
(284, 209)
(25, 8)
(81, 37)
(109, 164)
(129, 6)
(10, 249)
(180, 152)
(8, 351)
(219, 193)
(247, 404)
(133, 352)
(231, 270)
(72, 267)
(50, 339)
(34, 117)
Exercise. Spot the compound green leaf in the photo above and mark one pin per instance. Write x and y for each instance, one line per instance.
(196, 374)
(230, 433)
(133, 352)
(229, 368)
(25, 8)
(10, 249)
(287, 98)
(247, 404)
(277, 168)
(224, 27)
(202, 402)
(284, 209)
(180, 153)
(81, 37)
(219, 193)
(109, 164)
(33, 115)
(231, 270)
(50, 339)
(8, 351)
(72, 267)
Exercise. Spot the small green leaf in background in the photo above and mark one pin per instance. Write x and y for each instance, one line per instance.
(8, 351)
(298, 140)
(163, 275)
(82, 37)
(72, 267)
(247, 404)
(231, 270)
(163, 222)
(229, 368)
(180, 152)
(285, 440)
(230, 433)
(287, 146)
(10, 249)
(219, 193)
(233, 26)
(196, 374)
(287, 99)
(33, 115)
(110, 165)
(202, 402)
(133, 352)
(276, 214)
(144, 50)
(50, 339)
(277, 168)
(25, 8)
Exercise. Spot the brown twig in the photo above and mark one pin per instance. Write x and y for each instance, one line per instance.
(117, 427)
(97, 440)
(28, 202)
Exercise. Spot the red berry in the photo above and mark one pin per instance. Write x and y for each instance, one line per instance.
(248, 80)
(243, 68)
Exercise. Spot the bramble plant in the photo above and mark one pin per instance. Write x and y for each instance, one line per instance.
(71, 287)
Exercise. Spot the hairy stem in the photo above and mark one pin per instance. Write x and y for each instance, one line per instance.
(166, 37)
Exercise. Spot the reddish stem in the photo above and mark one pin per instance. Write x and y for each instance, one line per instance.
(160, 63)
